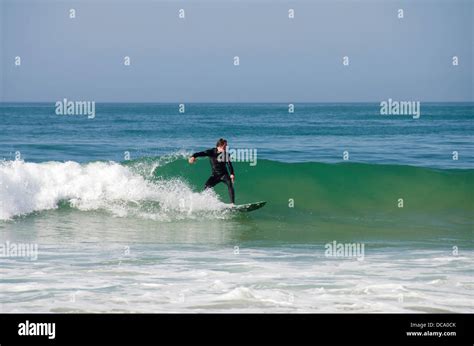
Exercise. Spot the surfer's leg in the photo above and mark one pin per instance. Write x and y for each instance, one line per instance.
(211, 182)
(226, 179)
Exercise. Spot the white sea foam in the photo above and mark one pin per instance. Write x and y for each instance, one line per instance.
(168, 283)
(27, 187)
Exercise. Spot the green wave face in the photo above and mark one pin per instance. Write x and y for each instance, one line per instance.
(349, 198)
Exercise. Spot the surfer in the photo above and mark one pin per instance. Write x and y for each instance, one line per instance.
(220, 160)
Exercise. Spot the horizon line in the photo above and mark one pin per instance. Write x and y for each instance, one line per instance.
(240, 102)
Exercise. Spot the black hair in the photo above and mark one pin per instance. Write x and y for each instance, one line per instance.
(221, 142)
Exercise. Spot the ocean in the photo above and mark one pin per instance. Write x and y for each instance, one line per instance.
(365, 212)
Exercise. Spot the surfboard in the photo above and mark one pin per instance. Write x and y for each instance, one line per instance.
(248, 207)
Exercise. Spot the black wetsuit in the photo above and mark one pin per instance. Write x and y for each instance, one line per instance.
(219, 164)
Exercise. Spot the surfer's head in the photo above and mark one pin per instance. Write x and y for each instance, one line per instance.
(221, 145)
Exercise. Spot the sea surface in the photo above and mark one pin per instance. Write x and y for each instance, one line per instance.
(120, 222)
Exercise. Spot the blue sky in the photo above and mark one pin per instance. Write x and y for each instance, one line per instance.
(281, 60)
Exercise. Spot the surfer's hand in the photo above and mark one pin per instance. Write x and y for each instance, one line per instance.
(232, 178)
(191, 160)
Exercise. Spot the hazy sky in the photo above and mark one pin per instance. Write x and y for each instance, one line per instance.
(281, 59)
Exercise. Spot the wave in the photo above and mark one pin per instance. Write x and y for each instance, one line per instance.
(168, 188)
(342, 188)
(119, 189)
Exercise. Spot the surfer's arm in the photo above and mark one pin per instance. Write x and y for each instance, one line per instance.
(200, 154)
(231, 170)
